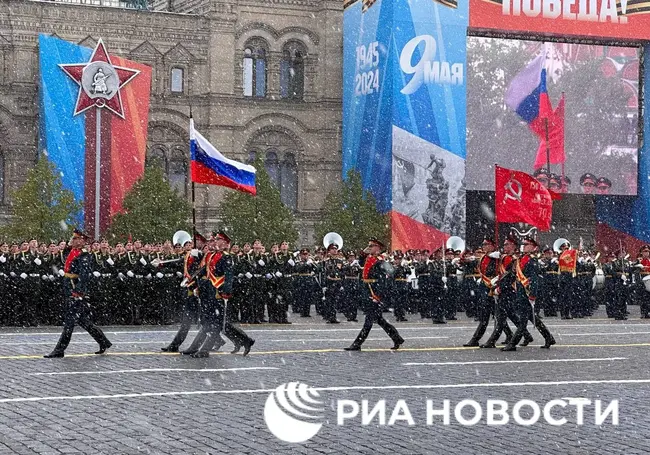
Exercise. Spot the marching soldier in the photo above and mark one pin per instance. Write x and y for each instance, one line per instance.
(488, 269)
(548, 286)
(305, 284)
(400, 288)
(527, 276)
(436, 288)
(620, 270)
(333, 272)
(506, 292)
(374, 277)
(217, 272)
(190, 310)
(643, 269)
(78, 270)
(568, 294)
(350, 299)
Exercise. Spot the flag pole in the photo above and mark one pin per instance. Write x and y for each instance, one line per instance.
(548, 146)
(496, 220)
(193, 194)
(563, 154)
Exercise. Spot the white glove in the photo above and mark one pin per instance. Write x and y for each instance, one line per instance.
(455, 261)
(532, 302)
(143, 261)
(494, 255)
(309, 261)
(241, 275)
(130, 274)
(268, 276)
(639, 266)
(61, 272)
(13, 274)
(179, 274)
(50, 277)
(44, 277)
(194, 252)
(355, 263)
(97, 274)
(37, 261)
(159, 275)
(291, 262)
(324, 289)
(624, 278)
(444, 279)
(261, 262)
(3, 259)
(278, 274)
(195, 292)
(148, 276)
(120, 276)
(110, 262)
(581, 260)
(249, 275)
(404, 263)
(23, 275)
(554, 260)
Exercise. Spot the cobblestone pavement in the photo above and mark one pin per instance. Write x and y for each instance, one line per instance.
(136, 399)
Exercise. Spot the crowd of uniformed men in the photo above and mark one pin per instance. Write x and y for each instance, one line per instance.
(131, 287)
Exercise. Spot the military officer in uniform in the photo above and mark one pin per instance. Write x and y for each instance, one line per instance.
(78, 270)
(374, 277)
(643, 270)
(333, 272)
(488, 269)
(217, 268)
(527, 276)
(191, 264)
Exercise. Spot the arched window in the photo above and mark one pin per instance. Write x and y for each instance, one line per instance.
(177, 80)
(254, 69)
(157, 158)
(292, 71)
(177, 172)
(278, 150)
(289, 181)
(272, 167)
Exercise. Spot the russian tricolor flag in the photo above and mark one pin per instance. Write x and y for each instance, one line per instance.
(212, 168)
(528, 97)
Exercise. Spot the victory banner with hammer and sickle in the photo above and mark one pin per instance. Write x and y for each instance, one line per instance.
(521, 198)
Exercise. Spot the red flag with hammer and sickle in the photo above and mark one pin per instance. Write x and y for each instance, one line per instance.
(520, 197)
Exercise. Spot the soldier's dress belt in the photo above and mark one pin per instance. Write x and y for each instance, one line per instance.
(71, 275)
(303, 274)
(369, 281)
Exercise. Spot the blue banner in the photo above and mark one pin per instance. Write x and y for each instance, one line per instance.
(62, 136)
(631, 215)
(367, 96)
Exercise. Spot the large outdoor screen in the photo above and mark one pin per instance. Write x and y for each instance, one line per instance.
(575, 106)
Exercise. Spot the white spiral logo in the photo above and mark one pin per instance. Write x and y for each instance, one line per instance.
(289, 412)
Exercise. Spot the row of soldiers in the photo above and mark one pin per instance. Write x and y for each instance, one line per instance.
(140, 283)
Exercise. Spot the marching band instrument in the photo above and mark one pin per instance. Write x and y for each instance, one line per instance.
(181, 238)
(558, 243)
(333, 237)
(455, 243)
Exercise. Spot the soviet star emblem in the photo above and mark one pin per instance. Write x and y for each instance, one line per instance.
(99, 81)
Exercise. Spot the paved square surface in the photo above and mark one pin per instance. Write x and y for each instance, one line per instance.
(136, 399)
